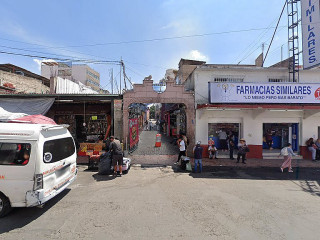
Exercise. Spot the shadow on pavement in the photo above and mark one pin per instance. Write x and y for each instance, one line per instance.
(308, 179)
(20, 217)
(309, 186)
(258, 173)
(91, 170)
(99, 178)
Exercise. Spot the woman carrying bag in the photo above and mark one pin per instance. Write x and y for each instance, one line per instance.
(287, 154)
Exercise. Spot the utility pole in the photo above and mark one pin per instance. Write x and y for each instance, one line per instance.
(111, 80)
(124, 75)
(293, 39)
(120, 72)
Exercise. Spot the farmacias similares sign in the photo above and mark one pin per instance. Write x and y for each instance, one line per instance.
(263, 93)
(310, 16)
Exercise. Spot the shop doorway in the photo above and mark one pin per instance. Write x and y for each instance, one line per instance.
(88, 128)
(220, 133)
(278, 135)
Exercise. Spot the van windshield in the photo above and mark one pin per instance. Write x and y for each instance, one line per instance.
(58, 149)
(14, 153)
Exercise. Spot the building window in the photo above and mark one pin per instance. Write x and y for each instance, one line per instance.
(14, 153)
(92, 75)
(58, 149)
(228, 79)
(93, 83)
(279, 79)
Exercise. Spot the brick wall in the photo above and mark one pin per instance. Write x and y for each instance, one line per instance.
(23, 84)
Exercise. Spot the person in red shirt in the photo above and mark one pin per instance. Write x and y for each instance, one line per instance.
(26, 157)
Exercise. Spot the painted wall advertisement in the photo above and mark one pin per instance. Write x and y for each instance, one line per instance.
(263, 93)
(133, 131)
(310, 17)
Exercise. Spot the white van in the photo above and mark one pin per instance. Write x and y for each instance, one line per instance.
(37, 162)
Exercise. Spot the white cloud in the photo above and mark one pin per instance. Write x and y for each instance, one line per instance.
(40, 61)
(180, 27)
(173, 24)
(197, 55)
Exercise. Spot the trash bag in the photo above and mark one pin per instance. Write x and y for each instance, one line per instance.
(104, 167)
(184, 161)
(188, 166)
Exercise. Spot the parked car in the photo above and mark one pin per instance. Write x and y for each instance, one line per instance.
(37, 162)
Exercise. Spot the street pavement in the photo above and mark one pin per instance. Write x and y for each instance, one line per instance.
(152, 202)
(147, 140)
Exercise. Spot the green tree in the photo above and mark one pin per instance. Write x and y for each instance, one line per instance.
(152, 112)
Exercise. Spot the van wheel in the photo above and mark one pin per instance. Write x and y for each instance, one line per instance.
(5, 206)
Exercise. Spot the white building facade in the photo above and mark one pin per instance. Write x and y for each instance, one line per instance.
(250, 101)
(86, 75)
(75, 72)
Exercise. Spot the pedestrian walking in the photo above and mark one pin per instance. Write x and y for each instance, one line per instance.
(182, 148)
(185, 139)
(116, 155)
(223, 140)
(287, 154)
(231, 148)
(197, 152)
(317, 143)
(212, 151)
(268, 137)
(242, 151)
(146, 125)
(150, 125)
(230, 136)
(312, 148)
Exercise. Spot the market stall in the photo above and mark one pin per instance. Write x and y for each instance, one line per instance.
(90, 123)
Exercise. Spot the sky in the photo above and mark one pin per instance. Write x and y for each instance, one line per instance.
(150, 36)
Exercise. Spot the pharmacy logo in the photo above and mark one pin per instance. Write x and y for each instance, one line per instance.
(317, 94)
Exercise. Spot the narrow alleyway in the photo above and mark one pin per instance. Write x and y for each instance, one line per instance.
(147, 145)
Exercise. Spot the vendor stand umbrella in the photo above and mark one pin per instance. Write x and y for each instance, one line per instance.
(34, 119)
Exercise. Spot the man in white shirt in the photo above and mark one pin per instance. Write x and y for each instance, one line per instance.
(223, 140)
(182, 148)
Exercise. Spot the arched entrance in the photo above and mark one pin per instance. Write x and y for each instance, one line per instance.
(174, 94)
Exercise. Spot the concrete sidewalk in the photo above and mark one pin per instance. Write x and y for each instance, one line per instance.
(305, 163)
(221, 162)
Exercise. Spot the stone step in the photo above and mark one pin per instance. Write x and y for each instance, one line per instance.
(273, 153)
(264, 156)
(276, 157)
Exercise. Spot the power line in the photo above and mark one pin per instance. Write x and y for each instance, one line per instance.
(256, 41)
(68, 59)
(146, 40)
(249, 54)
(274, 33)
(25, 50)
(134, 71)
(60, 59)
(42, 46)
